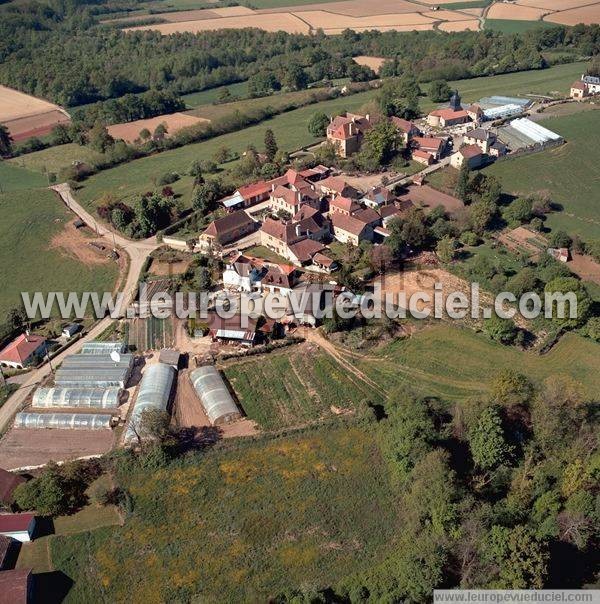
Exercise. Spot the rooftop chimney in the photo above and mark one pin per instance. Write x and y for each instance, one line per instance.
(298, 232)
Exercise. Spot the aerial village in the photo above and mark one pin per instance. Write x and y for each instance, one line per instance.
(94, 395)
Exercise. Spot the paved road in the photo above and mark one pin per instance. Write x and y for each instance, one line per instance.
(137, 251)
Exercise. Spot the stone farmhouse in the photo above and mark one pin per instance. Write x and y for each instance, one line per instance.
(586, 86)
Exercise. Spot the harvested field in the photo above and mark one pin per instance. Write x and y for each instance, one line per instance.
(422, 27)
(198, 14)
(515, 12)
(585, 267)
(445, 15)
(174, 122)
(282, 22)
(470, 24)
(24, 447)
(585, 14)
(25, 115)
(523, 241)
(373, 62)
(352, 8)
(555, 5)
(429, 198)
(476, 12)
(328, 21)
(73, 243)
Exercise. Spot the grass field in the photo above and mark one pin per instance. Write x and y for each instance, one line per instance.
(29, 221)
(241, 523)
(455, 363)
(206, 97)
(13, 178)
(508, 26)
(294, 387)
(569, 172)
(54, 158)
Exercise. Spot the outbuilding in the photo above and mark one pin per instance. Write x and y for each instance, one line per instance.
(18, 526)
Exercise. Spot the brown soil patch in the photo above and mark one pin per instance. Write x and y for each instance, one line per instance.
(470, 24)
(352, 8)
(514, 12)
(585, 267)
(445, 15)
(328, 21)
(429, 198)
(166, 269)
(585, 14)
(554, 5)
(24, 447)
(476, 12)
(72, 243)
(522, 240)
(174, 122)
(36, 125)
(15, 105)
(373, 62)
(188, 411)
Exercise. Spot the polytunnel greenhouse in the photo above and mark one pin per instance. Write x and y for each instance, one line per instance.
(99, 398)
(214, 395)
(154, 393)
(68, 421)
(96, 347)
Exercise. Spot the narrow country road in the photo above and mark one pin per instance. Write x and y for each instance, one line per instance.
(137, 251)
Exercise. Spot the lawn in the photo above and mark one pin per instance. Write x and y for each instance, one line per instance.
(508, 26)
(456, 364)
(294, 387)
(569, 173)
(14, 178)
(29, 221)
(241, 523)
(261, 251)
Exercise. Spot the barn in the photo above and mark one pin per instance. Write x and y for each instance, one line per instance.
(214, 395)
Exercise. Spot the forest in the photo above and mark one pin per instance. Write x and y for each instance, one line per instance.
(58, 50)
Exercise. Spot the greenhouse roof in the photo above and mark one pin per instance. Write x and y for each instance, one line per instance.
(212, 391)
(69, 421)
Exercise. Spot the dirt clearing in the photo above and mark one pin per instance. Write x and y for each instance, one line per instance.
(373, 62)
(166, 269)
(73, 243)
(24, 447)
(130, 132)
(524, 241)
(554, 5)
(585, 267)
(429, 198)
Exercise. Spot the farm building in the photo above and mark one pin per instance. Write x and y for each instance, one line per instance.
(63, 421)
(502, 111)
(9, 553)
(154, 393)
(214, 395)
(102, 347)
(94, 370)
(17, 526)
(522, 133)
(8, 483)
(16, 586)
(101, 398)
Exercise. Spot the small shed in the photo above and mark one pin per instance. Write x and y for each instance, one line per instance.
(70, 330)
(169, 356)
(214, 395)
(18, 526)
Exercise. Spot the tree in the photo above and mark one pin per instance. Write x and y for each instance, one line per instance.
(509, 387)
(206, 195)
(160, 132)
(462, 184)
(61, 134)
(152, 213)
(270, 145)
(317, 124)
(567, 285)
(224, 95)
(203, 279)
(295, 77)
(445, 249)
(222, 154)
(439, 91)
(522, 282)
(501, 330)
(380, 144)
(100, 139)
(559, 239)
(6, 141)
(16, 318)
(487, 442)
(481, 214)
(195, 170)
(592, 329)
(145, 134)
(519, 211)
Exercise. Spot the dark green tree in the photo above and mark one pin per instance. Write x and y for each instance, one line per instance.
(270, 145)
(317, 125)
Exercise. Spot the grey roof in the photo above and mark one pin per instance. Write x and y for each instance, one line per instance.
(588, 79)
(105, 348)
(154, 392)
(94, 370)
(69, 421)
(103, 398)
(214, 395)
(169, 356)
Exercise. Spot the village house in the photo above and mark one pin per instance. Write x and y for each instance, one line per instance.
(238, 329)
(368, 216)
(315, 173)
(475, 112)
(348, 229)
(343, 205)
(471, 154)
(280, 279)
(302, 252)
(429, 144)
(288, 240)
(347, 131)
(312, 223)
(228, 229)
(325, 263)
(247, 196)
(450, 116)
(423, 157)
(395, 210)
(25, 350)
(484, 139)
(406, 129)
(378, 197)
(333, 185)
(17, 586)
(242, 273)
(585, 87)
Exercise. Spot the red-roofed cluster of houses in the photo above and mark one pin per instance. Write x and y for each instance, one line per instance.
(318, 208)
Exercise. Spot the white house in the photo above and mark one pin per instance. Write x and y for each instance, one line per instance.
(240, 274)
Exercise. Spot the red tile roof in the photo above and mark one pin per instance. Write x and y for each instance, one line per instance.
(14, 586)
(347, 223)
(323, 260)
(254, 189)
(579, 85)
(21, 348)
(290, 197)
(304, 212)
(470, 151)
(403, 125)
(10, 523)
(428, 143)
(450, 114)
(368, 216)
(283, 231)
(304, 250)
(344, 203)
(423, 154)
(231, 222)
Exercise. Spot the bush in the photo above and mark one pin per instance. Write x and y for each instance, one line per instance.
(168, 178)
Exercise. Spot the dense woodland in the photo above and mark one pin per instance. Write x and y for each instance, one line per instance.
(57, 50)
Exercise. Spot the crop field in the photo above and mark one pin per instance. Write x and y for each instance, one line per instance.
(568, 172)
(29, 221)
(150, 334)
(294, 387)
(509, 26)
(241, 523)
(130, 131)
(456, 364)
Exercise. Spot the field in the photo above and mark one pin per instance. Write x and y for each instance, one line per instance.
(25, 115)
(241, 523)
(523, 241)
(294, 387)
(515, 12)
(150, 334)
(509, 26)
(14, 178)
(130, 131)
(568, 172)
(53, 159)
(206, 97)
(30, 220)
(585, 14)
(456, 364)
(373, 62)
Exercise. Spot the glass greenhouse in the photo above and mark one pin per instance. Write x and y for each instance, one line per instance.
(216, 399)
(102, 398)
(69, 421)
(154, 393)
(94, 371)
(102, 347)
